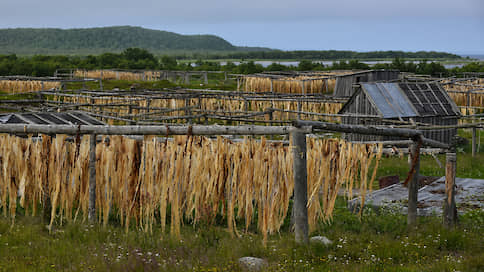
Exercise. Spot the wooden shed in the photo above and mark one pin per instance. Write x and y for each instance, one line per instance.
(422, 102)
(344, 83)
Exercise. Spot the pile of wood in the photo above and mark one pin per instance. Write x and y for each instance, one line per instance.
(23, 86)
(187, 179)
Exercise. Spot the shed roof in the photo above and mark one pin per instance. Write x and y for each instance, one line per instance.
(49, 118)
(405, 99)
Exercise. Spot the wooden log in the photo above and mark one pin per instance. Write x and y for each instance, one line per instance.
(413, 184)
(148, 130)
(474, 141)
(205, 77)
(450, 209)
(301, 224)
(92, 179)
(101, 81)
(367, 130)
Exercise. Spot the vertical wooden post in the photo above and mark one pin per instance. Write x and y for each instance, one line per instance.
(130, 111)
(174, 77)
(238, 83)
(450, 210)
(92, 179)
(299, 108)
(40, 96)
(272, 87)
(187, 78)
(301, 226)
(101, 81)
(205, 77)
(413, 184)
(188, 111)
(148, 103)
(474, 142)
(225, 76)
(200, 108)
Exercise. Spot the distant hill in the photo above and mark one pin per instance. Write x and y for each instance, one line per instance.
(30, 41)
(95, 41)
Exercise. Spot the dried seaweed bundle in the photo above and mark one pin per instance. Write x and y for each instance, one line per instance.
(190, 178)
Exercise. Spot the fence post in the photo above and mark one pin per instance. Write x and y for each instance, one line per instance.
(299, 109)
(101, 81)
(413, 183)
(300, 186)
(92, 179)
(474, 142)
(450, 210)
(187, 78)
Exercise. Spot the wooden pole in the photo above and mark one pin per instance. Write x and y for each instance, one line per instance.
(413, 184)
(187, 78)
(92, 179)
(474, 142)
(205, 77)
(301, 226)
(450, 210)
(148, 130)
(299, 109)
(101, 81)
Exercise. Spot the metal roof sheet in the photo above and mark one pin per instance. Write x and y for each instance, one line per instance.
(389, 100)
(396, 100)
(49, 118)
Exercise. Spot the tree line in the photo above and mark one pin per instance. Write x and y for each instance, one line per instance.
(136, 58)
(319, 55)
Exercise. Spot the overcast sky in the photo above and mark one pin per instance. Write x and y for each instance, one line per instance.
(362, 25)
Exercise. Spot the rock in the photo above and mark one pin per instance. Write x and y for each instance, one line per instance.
(387, 181)
(320, 240)
(252, 264)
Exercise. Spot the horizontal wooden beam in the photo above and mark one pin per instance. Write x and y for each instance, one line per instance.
(359, 129)
(148, 130)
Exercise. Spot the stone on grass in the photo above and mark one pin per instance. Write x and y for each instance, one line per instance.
(252, 264)
(320, 240)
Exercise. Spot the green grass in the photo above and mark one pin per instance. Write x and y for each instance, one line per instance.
(379, 241)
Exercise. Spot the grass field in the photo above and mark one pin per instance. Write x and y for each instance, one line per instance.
(380, 241)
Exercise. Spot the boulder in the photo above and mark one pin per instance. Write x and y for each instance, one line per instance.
(252, 264)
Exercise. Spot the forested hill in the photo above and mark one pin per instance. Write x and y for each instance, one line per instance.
(96, 41)
(30, 41)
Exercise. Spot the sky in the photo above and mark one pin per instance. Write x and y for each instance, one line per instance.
(455, 26)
